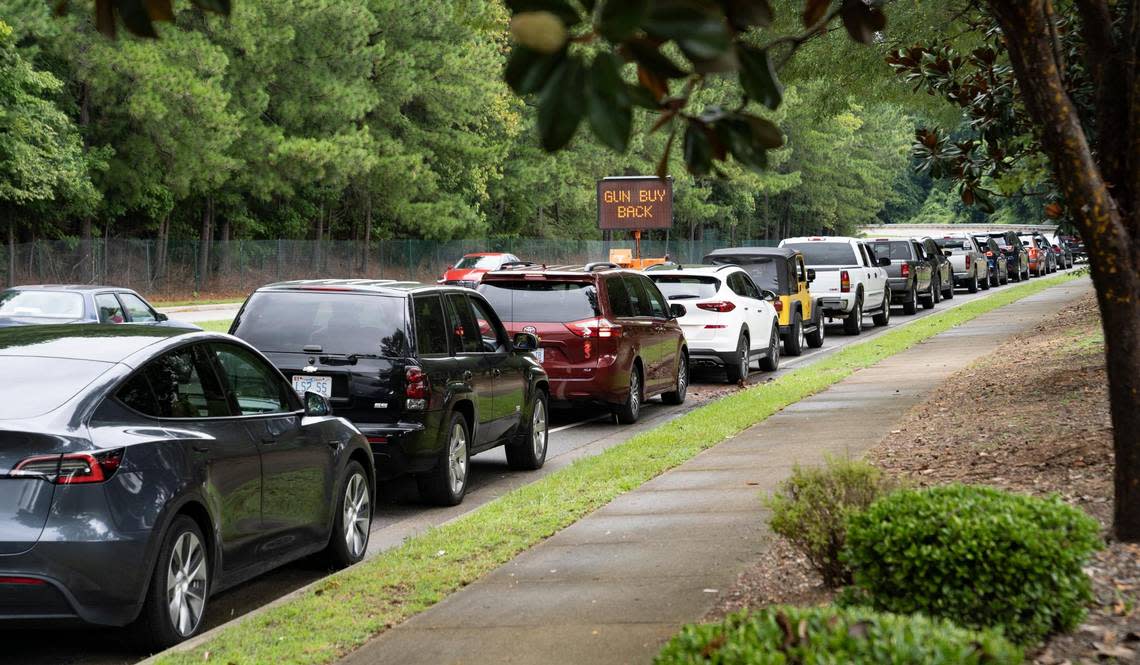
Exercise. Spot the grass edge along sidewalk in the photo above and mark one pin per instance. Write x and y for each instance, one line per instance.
(344, 610)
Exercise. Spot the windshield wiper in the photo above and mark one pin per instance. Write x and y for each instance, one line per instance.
(685, 296)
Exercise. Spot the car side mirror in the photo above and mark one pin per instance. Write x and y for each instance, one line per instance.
(677, 310)
(159, 316)
(768, 295)
(884, 262)
(525, 341)
(317, 405)
(1056, 248)
(947, 252)
(811, 275)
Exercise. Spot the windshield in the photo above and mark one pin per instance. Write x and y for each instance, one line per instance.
(825, 253)
(676, 287)
(542, 301)
(339, 323)
(480, 262)
(892, 249)
(62, 305)
(34, 386)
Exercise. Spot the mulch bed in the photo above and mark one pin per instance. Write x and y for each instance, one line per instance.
(1038, 423)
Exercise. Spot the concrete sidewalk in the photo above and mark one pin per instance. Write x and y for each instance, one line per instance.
(614, 586)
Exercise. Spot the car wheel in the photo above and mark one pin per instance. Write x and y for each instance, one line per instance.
(771, 360)
(682, 385)
(948, 289)
(929, 300)
(352, 523)
(815, 338)
(973, 288)
(178, 595)
(447, 483)
(911, 306)
(628, 413)
(985, 282)
(794, 344)
(853, 322)
(883, 318)
(528, 451)
(738, 371)
(936, 290)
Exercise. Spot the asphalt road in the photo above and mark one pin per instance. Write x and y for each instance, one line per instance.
(574, 434)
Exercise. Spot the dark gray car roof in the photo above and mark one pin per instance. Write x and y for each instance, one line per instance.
(98, 342)
(785, 252)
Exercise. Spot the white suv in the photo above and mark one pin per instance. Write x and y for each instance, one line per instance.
(850, 279)
(728, 320)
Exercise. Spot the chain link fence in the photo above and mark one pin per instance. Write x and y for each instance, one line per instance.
(178, 269)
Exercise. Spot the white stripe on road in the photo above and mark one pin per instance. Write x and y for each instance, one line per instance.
(563, 428)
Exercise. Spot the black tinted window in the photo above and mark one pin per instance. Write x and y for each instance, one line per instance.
(544, 301)
(185, 386)
(659, 307)
(638, 297)
(339, 323)
(826, 253)
(491, 332)
(431, 326)
(255, 386)
(618, 294)
(955, 245)
(136, 394)
(892, 249)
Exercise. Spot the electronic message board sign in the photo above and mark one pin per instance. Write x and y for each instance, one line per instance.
(635, 203)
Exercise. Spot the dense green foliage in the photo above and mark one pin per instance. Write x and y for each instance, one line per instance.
(811, 508)
(977, 556)
(778, 635)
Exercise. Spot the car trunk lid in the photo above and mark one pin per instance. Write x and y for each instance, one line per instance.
(25, 502)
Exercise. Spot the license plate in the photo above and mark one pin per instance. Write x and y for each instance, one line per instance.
(540, 354)
(321, 385)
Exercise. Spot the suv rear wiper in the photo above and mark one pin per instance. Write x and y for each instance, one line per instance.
(350, 359)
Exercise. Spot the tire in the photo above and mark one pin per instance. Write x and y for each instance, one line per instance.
(528, 451)
(853, 322)
(447, 483)
(936, 290)
(985, 282)
(883, 318)
(973, 288)
(948, 290)
(1025, 275)
(794, 343)
(930, 299)
(911, 306)
(184, 553)
(738, 371)
(816, 337)
(771, 360)
(353, 520)
(677, 396)
(628, 413)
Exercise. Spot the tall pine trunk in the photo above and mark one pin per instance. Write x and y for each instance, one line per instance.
(207, 235)
(1109, 224)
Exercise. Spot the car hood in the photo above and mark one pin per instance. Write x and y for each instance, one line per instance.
(463, 275)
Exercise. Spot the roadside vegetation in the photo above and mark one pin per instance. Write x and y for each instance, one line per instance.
(346, 609)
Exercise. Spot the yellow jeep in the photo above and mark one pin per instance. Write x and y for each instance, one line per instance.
(781, 271)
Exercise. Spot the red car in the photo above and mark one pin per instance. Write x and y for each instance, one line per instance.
(607, 336)
(472, 267)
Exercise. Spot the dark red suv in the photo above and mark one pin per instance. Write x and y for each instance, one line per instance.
(606, 335)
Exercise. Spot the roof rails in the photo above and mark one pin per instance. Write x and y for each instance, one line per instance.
(668, 265)
(600, 265)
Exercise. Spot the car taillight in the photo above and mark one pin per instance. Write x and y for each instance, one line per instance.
(72, 468)
(906, 270)
(22, 581)
(989, 254)
(721, 306)
(967, 262)
(416, 388)
(845, 282)
(595, 327)
(778, 305)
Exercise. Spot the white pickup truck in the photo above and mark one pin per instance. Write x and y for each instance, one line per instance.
(850, 280)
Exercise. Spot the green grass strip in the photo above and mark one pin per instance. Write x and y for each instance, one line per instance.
(193, 303)
(346, 609)
(222, 326)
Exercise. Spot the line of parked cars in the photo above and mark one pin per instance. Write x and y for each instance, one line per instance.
(146, 465)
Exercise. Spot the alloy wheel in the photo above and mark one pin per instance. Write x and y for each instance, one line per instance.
(357, 509)
(186, 584)
(457, 459)
(634, 393)
(538, 429)
(682, 377)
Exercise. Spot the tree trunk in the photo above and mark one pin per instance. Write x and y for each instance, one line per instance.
(317, 248)
(367, 233)
(160, 254)
(207, 235)
(11, 249)
(1110, 231)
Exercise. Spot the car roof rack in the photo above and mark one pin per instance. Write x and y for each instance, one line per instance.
(668, 265)
(600, 265)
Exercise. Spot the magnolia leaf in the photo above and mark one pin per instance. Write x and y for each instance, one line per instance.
(610, 112)
(758, 76)
(562, 104)
(620, 18)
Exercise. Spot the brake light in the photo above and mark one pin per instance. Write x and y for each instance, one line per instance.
(71, 469)
(967, 262)
(721, 306)
(989, 253)
(778, 305)
(844, 282)
(906, 270)
(22, 581)
(416, 388)
(377, 439)
(595, 327)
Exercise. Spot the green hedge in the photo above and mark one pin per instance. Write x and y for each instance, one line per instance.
(977, 556)
(779, 635)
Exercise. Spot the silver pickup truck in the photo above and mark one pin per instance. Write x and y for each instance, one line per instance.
(971, 270)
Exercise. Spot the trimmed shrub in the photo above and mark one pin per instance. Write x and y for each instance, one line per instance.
(779, 635)
(811, 509)
(977, 556)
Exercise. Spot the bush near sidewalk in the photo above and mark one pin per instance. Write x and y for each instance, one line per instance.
(811, 508)
(978, 556)
(780, 635)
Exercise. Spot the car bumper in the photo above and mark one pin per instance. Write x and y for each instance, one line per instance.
(400, 448)
(712, 357)
(837, 304)
(899, 284)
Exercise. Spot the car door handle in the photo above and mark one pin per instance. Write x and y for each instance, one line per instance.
(200, 449)
(269, 440)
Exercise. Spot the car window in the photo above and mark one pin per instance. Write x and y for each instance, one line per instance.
(918, 251)
(185, 386)
(479, 262)
(955, 245)
(41, 304)
(137, 310)
(677, 287)
(798, 269)
(750, 288)
(431, 326)
(255, 386)
(545, 301)
(618, 293)
(638, 298)
(825, 253)
(491, 333)
(897, 250)
(659, 307)
(137, 394)
(340, 323)
(110, 311)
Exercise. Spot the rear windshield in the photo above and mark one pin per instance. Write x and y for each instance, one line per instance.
(686, 286)
(33, 386)
(62, 305)
(955, 245)
(826, 253)
(542, 301)
(892, 249)
(339, 323)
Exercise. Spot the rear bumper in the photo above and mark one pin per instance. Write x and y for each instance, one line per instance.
(899, 284)
(837, 304)
(399, 448)
(711, 357)
(607, 386)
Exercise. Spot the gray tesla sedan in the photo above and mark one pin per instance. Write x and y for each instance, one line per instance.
(143, 469)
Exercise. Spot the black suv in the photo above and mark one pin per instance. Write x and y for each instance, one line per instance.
(426, 372)
(1016, 256)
